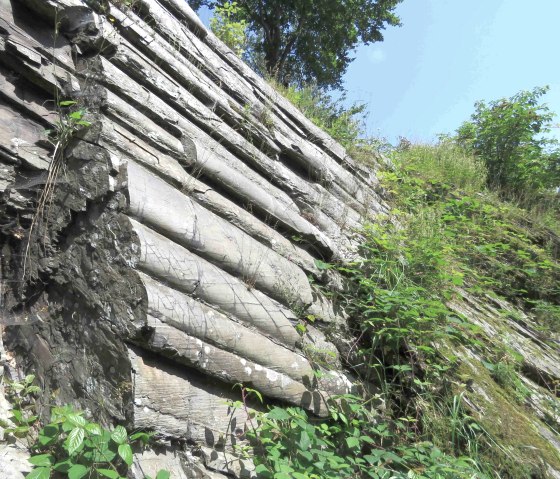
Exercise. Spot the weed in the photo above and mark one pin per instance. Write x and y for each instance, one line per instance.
(70, 445)
(354, 442)
(70, 120)
(21, 395)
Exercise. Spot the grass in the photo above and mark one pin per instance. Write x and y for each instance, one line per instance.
(445, 164)
(454, 398)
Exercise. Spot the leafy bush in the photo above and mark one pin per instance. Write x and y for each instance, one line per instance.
(228, 28)
(510, 136)
(345, 125)
(353, 443)
(72, 445)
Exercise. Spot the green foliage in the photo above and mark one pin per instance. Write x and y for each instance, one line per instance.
(231, 31)
(353, 443)
(345, 125)
(310, 41)
(546, 313)
(495, 244)
(396, 303)
(70, 446)
(21, 395)
(448, 165)
(70, 120)
(503, 371)
(73, 447)
(509, 135)
(448, 233)
(393, 297)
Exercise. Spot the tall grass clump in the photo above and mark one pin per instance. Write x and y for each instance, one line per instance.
(445, 163)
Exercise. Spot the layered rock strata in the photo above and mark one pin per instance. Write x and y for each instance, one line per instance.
(176, 247)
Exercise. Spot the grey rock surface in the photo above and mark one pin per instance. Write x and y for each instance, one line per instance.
(178, 247)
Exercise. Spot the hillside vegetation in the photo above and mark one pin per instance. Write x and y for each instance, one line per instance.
(443, 288)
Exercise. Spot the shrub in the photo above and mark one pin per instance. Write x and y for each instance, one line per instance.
(509, 135)
(227, 28)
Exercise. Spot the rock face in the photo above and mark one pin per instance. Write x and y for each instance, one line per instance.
(175, 245)
(174, 248)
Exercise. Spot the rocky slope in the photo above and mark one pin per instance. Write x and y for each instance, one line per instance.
(175, 245)
(175, 249)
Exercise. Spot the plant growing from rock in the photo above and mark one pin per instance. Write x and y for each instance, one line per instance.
(73, 447)
(70, 446)
(21, 396)
(70, 120)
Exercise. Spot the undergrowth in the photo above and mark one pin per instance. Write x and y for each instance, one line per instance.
(447, 236)
(69, 445)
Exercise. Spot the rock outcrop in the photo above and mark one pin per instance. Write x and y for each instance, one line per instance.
(161, 243)
(175, 247)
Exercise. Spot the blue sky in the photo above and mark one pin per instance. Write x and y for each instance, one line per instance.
(425, 77)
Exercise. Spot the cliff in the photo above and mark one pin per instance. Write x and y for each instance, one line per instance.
(164, 212)
(173, 250)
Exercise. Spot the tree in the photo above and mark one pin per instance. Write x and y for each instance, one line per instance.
(232, 32)
(510, 135)
(310, 41)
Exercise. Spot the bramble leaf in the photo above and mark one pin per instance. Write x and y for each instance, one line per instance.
(45, 460)
(119, 435)
(39, 473)
(77, 471)
(75, 440)
(125, 452)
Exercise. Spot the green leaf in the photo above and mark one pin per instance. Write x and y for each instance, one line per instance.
(279, 414)
(66, 103)
(20, 431)
(125, 451)
(143, 437)
(109, 473)
(163, 474)
(94, 429)
(489, 366)
(119, 435)
(46, 460)
(304, 441)
(77, 471)
(352, 442)
(321, 265)
(63, 466)
(17, 415)
(75, 439)
(45, 440)
(39, 473)
(76, 420)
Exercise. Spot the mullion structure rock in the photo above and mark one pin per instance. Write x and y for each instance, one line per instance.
(183, 233)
